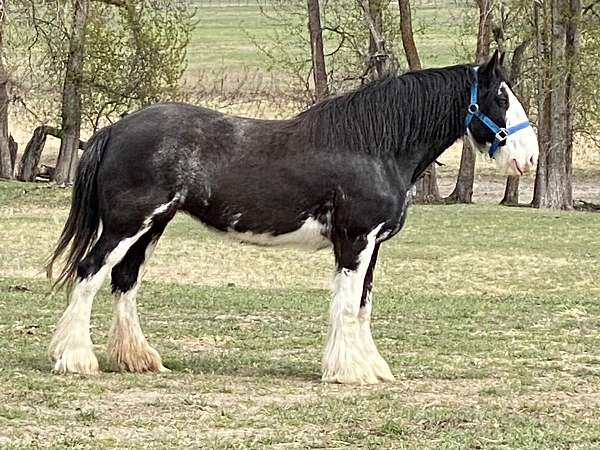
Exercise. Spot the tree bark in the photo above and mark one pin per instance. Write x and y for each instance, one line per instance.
(28, 167)
(463, 191)
(572, 54)
(378, 59)
(511, 192)
(408, 40)
(14, 148)
(427, 190)
(66, 165)
(316, 50)
(543, 99)
(6, 160)
(426, 187)
(556, 164)
(559, 30)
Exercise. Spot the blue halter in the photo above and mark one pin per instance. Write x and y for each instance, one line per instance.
(500, 134)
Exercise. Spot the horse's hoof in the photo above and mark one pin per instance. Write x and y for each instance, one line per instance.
(81, 361)
(138, 357)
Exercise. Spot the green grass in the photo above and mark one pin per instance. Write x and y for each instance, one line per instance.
(488, 316)
(223, 37)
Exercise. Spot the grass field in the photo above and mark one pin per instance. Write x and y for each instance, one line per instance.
(488, 316)
(222, 40)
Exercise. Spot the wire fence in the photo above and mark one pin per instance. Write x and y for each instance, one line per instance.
(250, 3)
(223, 3)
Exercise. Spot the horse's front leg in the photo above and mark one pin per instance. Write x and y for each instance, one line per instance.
(374, 359)
(350, 353)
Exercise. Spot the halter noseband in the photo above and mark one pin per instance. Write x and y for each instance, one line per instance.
(500, 134)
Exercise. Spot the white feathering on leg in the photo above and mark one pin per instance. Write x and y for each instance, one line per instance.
(349, 356)
(71, 344)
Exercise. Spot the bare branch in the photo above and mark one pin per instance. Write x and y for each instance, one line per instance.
(119, 3)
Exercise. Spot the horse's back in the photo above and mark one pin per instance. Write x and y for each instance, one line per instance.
(169, 148)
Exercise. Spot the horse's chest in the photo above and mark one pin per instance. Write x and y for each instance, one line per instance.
(395, 223)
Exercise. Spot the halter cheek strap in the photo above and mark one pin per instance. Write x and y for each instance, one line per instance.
(500, 134)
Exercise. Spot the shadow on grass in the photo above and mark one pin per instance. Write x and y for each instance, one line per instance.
(32, 362)
(200, 365)
(246, 367)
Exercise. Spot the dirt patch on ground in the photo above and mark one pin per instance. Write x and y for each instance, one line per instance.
(202, 343)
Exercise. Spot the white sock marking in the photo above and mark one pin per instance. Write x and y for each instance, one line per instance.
(348, 352)
(127, 346)
(71, 345)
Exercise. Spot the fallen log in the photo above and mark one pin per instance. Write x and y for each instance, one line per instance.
(28, 166)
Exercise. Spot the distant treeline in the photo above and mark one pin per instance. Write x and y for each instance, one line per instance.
(240, 3)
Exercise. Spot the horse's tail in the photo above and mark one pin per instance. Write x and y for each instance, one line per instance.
(81, 229)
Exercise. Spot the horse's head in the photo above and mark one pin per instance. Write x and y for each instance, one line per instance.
(496, 122)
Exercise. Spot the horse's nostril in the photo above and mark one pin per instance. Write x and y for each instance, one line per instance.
(532, 160)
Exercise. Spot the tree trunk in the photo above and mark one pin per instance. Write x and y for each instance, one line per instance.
(511, 192)
(6, 161)
(28, 167)
(408, 40)
(66, 165)
(463, 191)
(561, 24)
(378, 58)
(556, 164)
(316, 50)
(14, 148)
(544, 123)
(572, 54)
(426, 187)
(543, 99)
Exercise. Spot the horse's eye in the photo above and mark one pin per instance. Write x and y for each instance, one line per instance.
(503, 102)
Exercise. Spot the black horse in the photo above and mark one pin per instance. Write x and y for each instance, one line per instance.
(336, 175)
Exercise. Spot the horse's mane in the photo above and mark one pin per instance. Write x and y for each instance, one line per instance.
(390, 114)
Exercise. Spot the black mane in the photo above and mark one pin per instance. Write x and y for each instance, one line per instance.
(392, 114)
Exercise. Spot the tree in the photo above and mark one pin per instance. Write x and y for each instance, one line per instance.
(378, 62)
(427, 187)
(408, 40)
(316, 48)
(110, 57)
(558, 31)
(6, 159)
(68, 157)
(463, 190)
(350, 45)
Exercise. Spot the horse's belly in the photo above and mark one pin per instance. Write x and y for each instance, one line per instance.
(311, 236)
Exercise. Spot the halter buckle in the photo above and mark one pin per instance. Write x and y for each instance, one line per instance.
(473, 108)
(501, 135)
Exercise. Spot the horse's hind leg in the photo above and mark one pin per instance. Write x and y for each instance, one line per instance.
(71, 345)
(128, 349)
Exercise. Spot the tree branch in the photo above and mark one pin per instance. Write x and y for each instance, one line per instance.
(119, 3)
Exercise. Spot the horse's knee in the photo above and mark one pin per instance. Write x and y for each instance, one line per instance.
(123, 279)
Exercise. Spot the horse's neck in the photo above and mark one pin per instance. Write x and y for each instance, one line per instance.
(426, 157)
(422, 152)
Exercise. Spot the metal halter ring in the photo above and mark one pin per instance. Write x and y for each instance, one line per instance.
(502, 134)
(473, 108)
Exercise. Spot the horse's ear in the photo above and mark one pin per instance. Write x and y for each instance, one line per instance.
(501, 61)
(488, 69)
